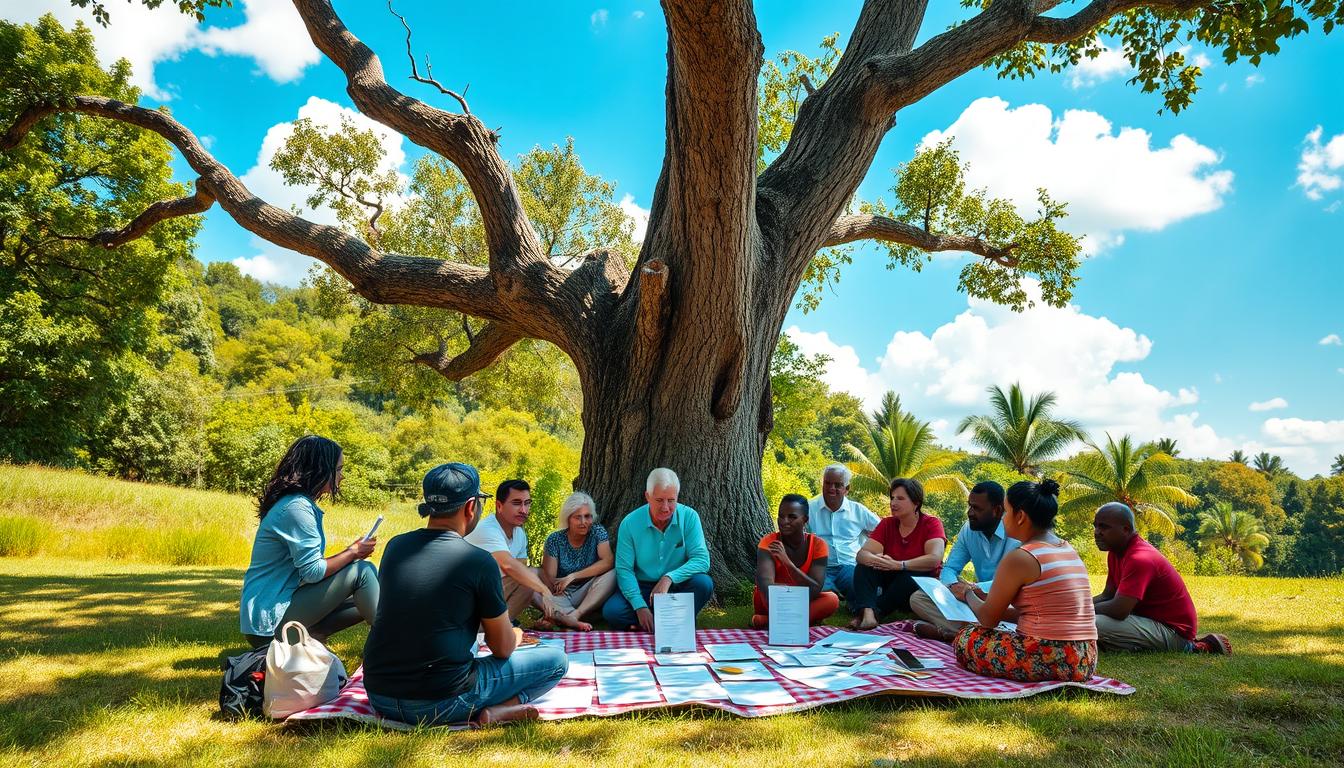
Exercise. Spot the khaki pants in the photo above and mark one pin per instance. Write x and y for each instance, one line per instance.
(516, 595)
(923, 606)
(580, 601)
(1137, 633)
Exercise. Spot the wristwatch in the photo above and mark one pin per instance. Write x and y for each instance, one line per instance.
(902, 565)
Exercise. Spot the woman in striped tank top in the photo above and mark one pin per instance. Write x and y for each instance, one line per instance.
(1044, 588)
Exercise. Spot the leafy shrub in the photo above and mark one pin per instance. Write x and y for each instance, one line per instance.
(22, 536)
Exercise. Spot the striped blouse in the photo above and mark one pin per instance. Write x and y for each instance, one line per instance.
(1058, 605)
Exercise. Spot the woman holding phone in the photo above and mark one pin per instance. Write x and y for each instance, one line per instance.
(289, 577)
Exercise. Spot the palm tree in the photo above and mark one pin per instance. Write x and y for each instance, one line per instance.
(1167, 445)
(1238, 457)
(1337, 468)
(1139, 476)
(900, 446)
(1268, 465)
(1020, 433)
(1238, 531)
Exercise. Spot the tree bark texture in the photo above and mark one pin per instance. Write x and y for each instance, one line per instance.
(674, 358)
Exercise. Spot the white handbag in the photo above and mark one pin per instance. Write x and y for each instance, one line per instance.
(300, 675)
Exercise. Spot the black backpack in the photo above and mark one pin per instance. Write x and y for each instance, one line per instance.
(244, 680)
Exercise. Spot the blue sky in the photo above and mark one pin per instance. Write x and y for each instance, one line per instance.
(1207, 311)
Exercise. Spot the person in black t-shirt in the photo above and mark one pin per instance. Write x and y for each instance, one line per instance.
(420, 663)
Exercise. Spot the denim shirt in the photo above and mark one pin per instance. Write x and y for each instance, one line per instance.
(287, 552)
(983, 552)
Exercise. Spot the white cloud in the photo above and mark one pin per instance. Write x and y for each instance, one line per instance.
(273, 264)
(1318, 169)
(272, 34)
(1332, 340)
(639, 216)
(1088, 72)
(1112, 180)
(1254, 79)
(1270, 405)
(599, 18)
(1308, 446)
(943, 376)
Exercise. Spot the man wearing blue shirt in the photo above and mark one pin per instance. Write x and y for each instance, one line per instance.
(980, 542)
(660, 548)
(841, 522)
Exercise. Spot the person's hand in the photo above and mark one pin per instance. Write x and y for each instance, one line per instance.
(884, 563)
(662, 587)
(362, 548)
(645, 617)
(776, 548)
(562, 584)
(959, 590)
(548, 606)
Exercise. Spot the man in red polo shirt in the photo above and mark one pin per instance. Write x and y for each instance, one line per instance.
(1145, 606)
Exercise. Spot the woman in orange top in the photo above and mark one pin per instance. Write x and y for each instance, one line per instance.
(1042, 586)
(792, 558)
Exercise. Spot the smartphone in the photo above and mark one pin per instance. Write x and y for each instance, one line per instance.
(374, 529)
(906, 658)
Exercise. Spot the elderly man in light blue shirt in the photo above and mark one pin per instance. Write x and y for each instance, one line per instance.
(980, 542)
(841, 522)
(660, 548)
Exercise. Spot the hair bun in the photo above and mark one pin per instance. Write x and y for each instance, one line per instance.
(1048, 487)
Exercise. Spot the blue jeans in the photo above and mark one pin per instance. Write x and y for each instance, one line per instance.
(620, 615)
(527, 673)
(839, 579)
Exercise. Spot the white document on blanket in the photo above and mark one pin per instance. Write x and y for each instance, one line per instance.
(674, 622)
(613, 656)
(731, 651)
(566, 697)
(758, 694)
(681, 659)
(803, 658)
(633, 684)
(788, 614)
(742, 670)
(824, 678)
(852, 641)
(581, 667)
(948, 604)
(683, 684)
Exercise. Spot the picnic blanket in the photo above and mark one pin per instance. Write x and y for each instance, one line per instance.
(951, 680)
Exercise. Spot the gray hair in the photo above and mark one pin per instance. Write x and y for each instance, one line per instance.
(839, 469)
(573, 503)
(662, 477)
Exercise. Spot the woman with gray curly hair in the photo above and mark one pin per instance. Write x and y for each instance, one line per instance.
(578, 562)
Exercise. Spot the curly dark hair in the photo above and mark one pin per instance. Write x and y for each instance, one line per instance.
(308, 467)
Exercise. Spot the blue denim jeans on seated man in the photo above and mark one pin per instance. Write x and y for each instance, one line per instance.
(620, 615)
(528, 673)
(839, 579)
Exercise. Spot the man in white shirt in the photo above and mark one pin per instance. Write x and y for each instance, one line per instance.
(502, 535)
(842, 523)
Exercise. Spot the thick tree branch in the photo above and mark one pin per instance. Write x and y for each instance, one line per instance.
(488, 345)
(1052, 29)
(380, 277)
(197, 202)
(461, 138)
(848, 229)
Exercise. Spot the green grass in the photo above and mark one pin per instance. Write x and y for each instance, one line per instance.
(115, 662)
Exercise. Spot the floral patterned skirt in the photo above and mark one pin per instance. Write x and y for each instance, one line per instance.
(996, 653)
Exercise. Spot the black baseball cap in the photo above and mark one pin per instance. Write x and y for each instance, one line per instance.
(450, 485)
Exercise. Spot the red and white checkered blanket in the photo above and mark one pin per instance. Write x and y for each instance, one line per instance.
(951, 680)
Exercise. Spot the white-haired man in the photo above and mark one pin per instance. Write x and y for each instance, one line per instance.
(842, 523)
(660, 547)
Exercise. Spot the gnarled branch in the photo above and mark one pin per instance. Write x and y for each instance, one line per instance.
(197, 202)
(848, 229)
(429, 73)
(488, 345)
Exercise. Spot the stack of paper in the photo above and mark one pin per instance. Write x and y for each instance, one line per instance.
(626, 685)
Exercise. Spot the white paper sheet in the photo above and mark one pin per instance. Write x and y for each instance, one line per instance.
(674, 622)
(951, 608)
(854, 641)
(761, 694)
(681, 659)
(750, 670)
(632, 684)
(612, 656)
(731, 651)
(553, 642)
(788, 615)
(931, 663)
(879, 668)
(801, 658)
(581, 667)
(683, 684)
(566, 697)
(824, 678)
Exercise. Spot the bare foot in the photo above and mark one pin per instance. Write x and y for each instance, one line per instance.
(506, 713)
(583, 626)
(932, 632)
(868, 621)
(544, 625)
(853, 624)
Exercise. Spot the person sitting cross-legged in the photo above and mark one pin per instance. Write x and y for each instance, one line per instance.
(420, 664)
(1145, 605)
(792, 558)
(504, 537)
(981, 542)
(909, 543)
(578, 564)
(660, 547)
(842, 523)
(1042, 585)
